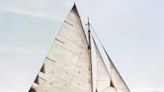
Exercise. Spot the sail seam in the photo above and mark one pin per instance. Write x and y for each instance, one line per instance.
(76, 31)
(68, 23)
(59, 40)
(71, 63)
(71, 40)
(50, 59)
(69, 50)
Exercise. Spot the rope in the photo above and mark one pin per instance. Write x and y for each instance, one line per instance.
(98, 38)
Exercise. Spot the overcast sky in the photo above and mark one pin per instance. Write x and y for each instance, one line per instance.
(131, 30)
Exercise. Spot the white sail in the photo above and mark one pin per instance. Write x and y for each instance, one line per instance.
(117, 84)
(67, 67)
(116, 80)
(103, 78)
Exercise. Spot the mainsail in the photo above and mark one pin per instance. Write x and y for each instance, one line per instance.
(67, 67)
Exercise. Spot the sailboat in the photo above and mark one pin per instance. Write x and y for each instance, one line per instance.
(68, 64)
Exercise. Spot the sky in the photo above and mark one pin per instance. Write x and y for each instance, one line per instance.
(131, 30)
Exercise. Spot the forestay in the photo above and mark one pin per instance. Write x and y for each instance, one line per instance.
(67, 67)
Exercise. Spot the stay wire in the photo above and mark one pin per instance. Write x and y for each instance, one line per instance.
(97, 37)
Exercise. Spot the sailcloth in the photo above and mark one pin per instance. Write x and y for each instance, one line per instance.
(67, 67)
(103, 76)
(116, 80)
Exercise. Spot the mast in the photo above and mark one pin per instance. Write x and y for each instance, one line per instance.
(90, 52)
(89, 36)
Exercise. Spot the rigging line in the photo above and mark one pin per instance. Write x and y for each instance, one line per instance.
(110, 60)
(96, 35)
(100, 43)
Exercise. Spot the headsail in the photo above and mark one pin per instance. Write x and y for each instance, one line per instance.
(67, 67)
(116, 79)
(103, 76)
(103, 79)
